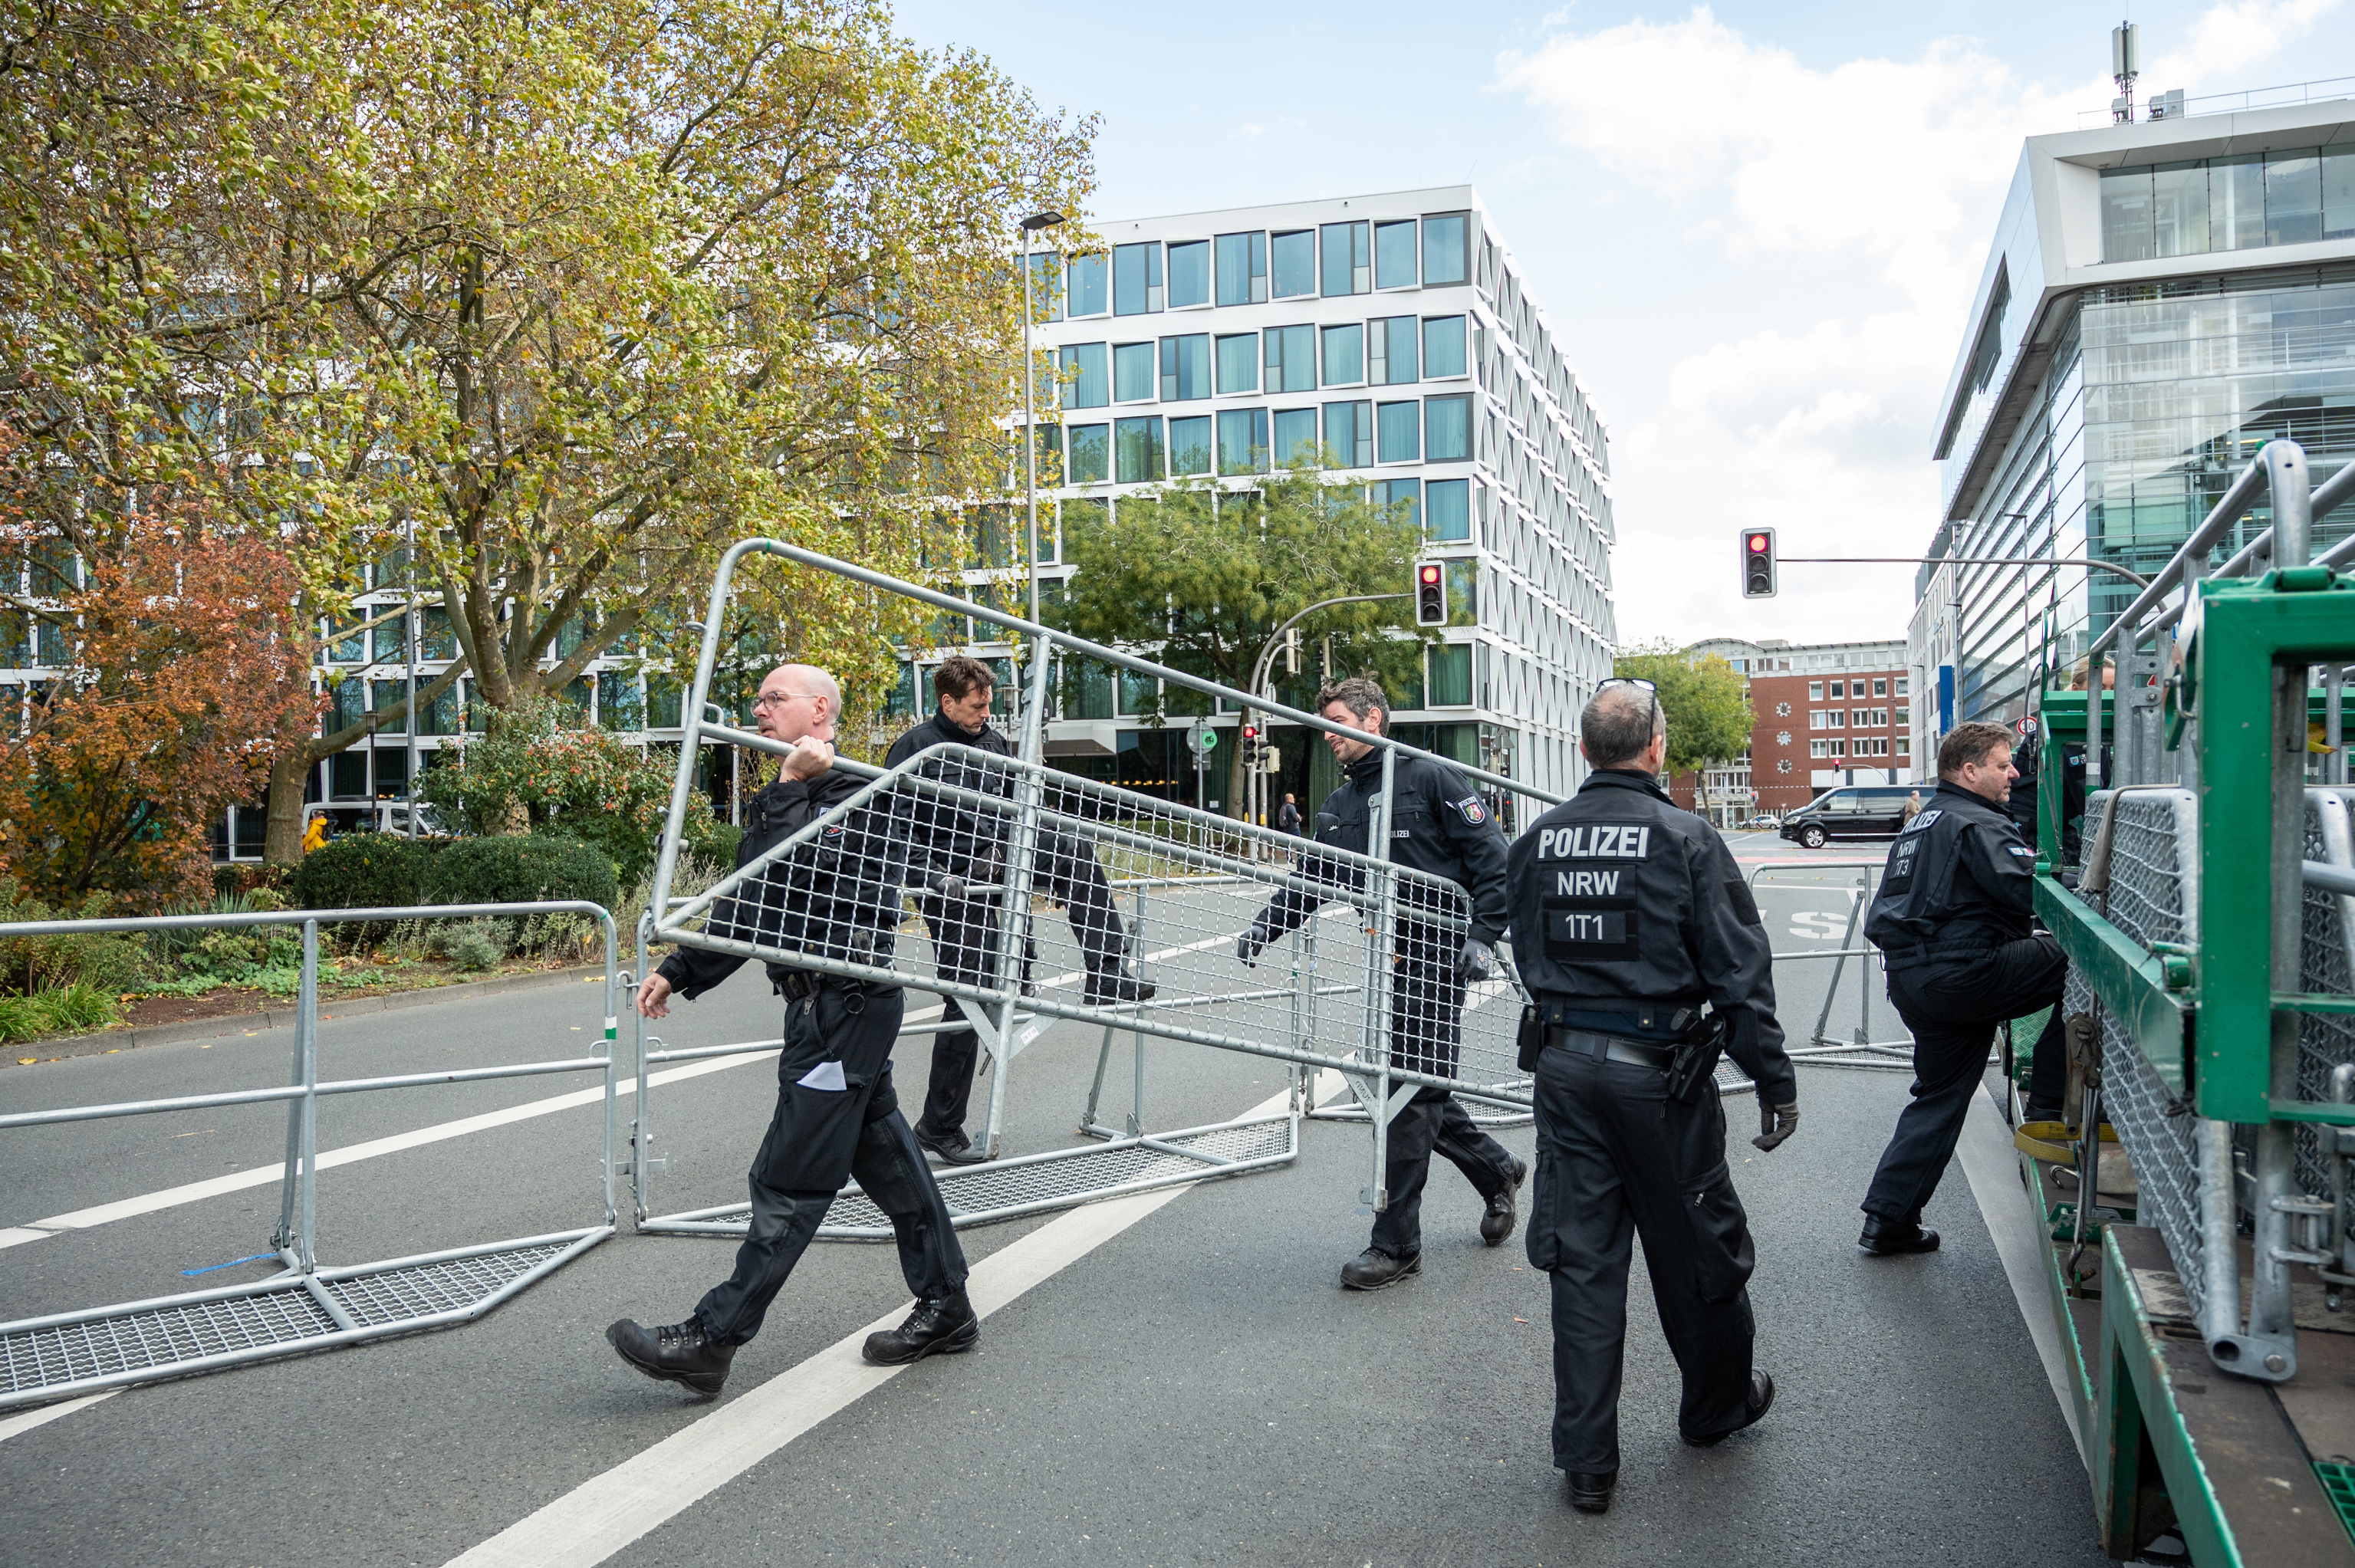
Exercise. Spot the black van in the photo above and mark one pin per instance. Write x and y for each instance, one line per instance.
(1859, 811)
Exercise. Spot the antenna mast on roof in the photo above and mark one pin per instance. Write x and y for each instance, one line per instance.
(2125, 66)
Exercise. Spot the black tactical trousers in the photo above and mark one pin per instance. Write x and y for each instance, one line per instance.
(1427, 1036)
(822, 1134)
(1952, 1008)
(1616, 1157)
(964, 948)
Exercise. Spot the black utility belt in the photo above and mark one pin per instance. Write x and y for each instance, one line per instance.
(1611, 1048)
(799, 985)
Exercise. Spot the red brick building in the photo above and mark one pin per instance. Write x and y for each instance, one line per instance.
(1824, 714)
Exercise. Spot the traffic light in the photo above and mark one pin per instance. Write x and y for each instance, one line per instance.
(1250, 747)
(1758, 563)
(1431, 594)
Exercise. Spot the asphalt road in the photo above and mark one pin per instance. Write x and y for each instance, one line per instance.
(1190, 1387)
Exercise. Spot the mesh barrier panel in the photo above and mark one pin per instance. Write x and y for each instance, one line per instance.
(2327, 963)
(399, 1295)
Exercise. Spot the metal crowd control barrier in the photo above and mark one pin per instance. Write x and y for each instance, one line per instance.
(1861, 1051)
(304, 1307)
(829, 899)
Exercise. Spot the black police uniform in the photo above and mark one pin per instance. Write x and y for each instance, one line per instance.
(836, 1113)
(1628, 914)
(1437, 824)
(958, 840)
(1954, 918)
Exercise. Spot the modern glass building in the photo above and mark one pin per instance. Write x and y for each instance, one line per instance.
(1394, 333)
(2161, 299)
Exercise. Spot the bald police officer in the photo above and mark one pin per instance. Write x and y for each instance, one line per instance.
(1629, 916)
(1439, 826)
(1953, 917)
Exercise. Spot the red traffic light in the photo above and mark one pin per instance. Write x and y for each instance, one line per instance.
(1431, 572)
(1758, 542)
(1251, 732)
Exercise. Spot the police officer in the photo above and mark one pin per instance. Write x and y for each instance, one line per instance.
(1953, 918)
(837, 1115)
(1628, 914)
(959, 846)
(1437, 824)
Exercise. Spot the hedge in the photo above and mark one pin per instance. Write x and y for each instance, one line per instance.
(364, 870)
(518, 868)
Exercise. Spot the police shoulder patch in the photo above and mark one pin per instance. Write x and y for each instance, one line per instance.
(1923, 819)
(1473, 811)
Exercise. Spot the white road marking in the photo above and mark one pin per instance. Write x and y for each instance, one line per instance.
(606, 1513)
(14, 1425)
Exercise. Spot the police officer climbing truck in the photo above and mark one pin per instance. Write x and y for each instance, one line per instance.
(1953, 920)
(836, 897)
(1629, 917)
(1439, 826)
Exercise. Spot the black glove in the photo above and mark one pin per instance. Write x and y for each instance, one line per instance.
(946, 886)
(1248, 945)
(1776, 1122)
(1476, 962)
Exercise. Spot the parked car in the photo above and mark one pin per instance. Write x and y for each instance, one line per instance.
(1859, 811)
(373, 816)
(1764, 822)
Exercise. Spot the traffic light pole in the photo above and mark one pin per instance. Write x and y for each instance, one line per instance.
(2133, 576)
(1255, 781)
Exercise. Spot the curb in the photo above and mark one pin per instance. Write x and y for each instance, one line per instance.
(279, 1016)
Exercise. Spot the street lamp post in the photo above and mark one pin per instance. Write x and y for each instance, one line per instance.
(1030, 225)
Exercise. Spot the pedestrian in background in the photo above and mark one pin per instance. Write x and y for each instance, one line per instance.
(1287, 816)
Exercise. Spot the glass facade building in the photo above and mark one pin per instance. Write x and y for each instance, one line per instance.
(2157, 306)
(1395, 334)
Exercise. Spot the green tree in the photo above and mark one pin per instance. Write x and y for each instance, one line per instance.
(1706, 699)
(576, 295)
(1199, 577)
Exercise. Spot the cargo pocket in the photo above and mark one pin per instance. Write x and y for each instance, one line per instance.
(1538, 1236)
(1722, 1256)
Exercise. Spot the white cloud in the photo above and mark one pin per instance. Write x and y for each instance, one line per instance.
(1884, 176)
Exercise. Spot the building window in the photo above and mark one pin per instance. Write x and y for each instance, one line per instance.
(1880, 716)
(1402, 492)
(1389, 351)
(1046, 291)
(1451, 675)
(1447, 504)
(1137, 279)
(1837, 719)
(1905, 745)
(1087, 376)
(1345, 355)
(1394, 255)
(1239, 363)
(1820, 748)
(1399, 433)
(1136, 452)
(1349, 432)
(1295, 264)
(1295, 436)
(1904, 717)
(1091, 454)
(1442, 347)
(1816, 719)
(1132, 373)
(1446, 250)
(1242, 441)
(1185, 368)
(1838, 746)
(1880, 688)
(1091, 293)
(1243, 269)
(1463, 592)
(1291, 358)
(1190, 275)
(1839, 689)
(2244, 201)
(1190, 445)
(1815, 691)
(1348, 260)
(1447, 429)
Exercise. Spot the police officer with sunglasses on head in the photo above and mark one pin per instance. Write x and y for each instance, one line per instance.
(1630, 917)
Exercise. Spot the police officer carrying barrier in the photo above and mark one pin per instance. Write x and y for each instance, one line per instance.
(837, 1115)
(957, 848)
(1953, 918)
(1628, 915)
(1437, 824)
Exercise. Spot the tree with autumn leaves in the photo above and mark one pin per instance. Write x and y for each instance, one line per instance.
(570, 296)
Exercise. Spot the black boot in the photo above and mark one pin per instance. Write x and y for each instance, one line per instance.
(1375, 1269)
(951, 1146)
(1589, 1493)
(1885, 1238)
(1108, 987)
(1497, 1222)
(674, 1353)
(945, 1325)
(1762, 1399)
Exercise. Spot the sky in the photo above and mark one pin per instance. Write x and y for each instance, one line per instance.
(1755, 228)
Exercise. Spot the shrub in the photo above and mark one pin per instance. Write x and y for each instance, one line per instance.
(58, 1010)
(476, 943)
(362, 871)
(30, 964)
(518, 868)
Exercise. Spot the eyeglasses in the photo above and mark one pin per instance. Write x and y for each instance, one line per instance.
(1640, 684)
(779, 698)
